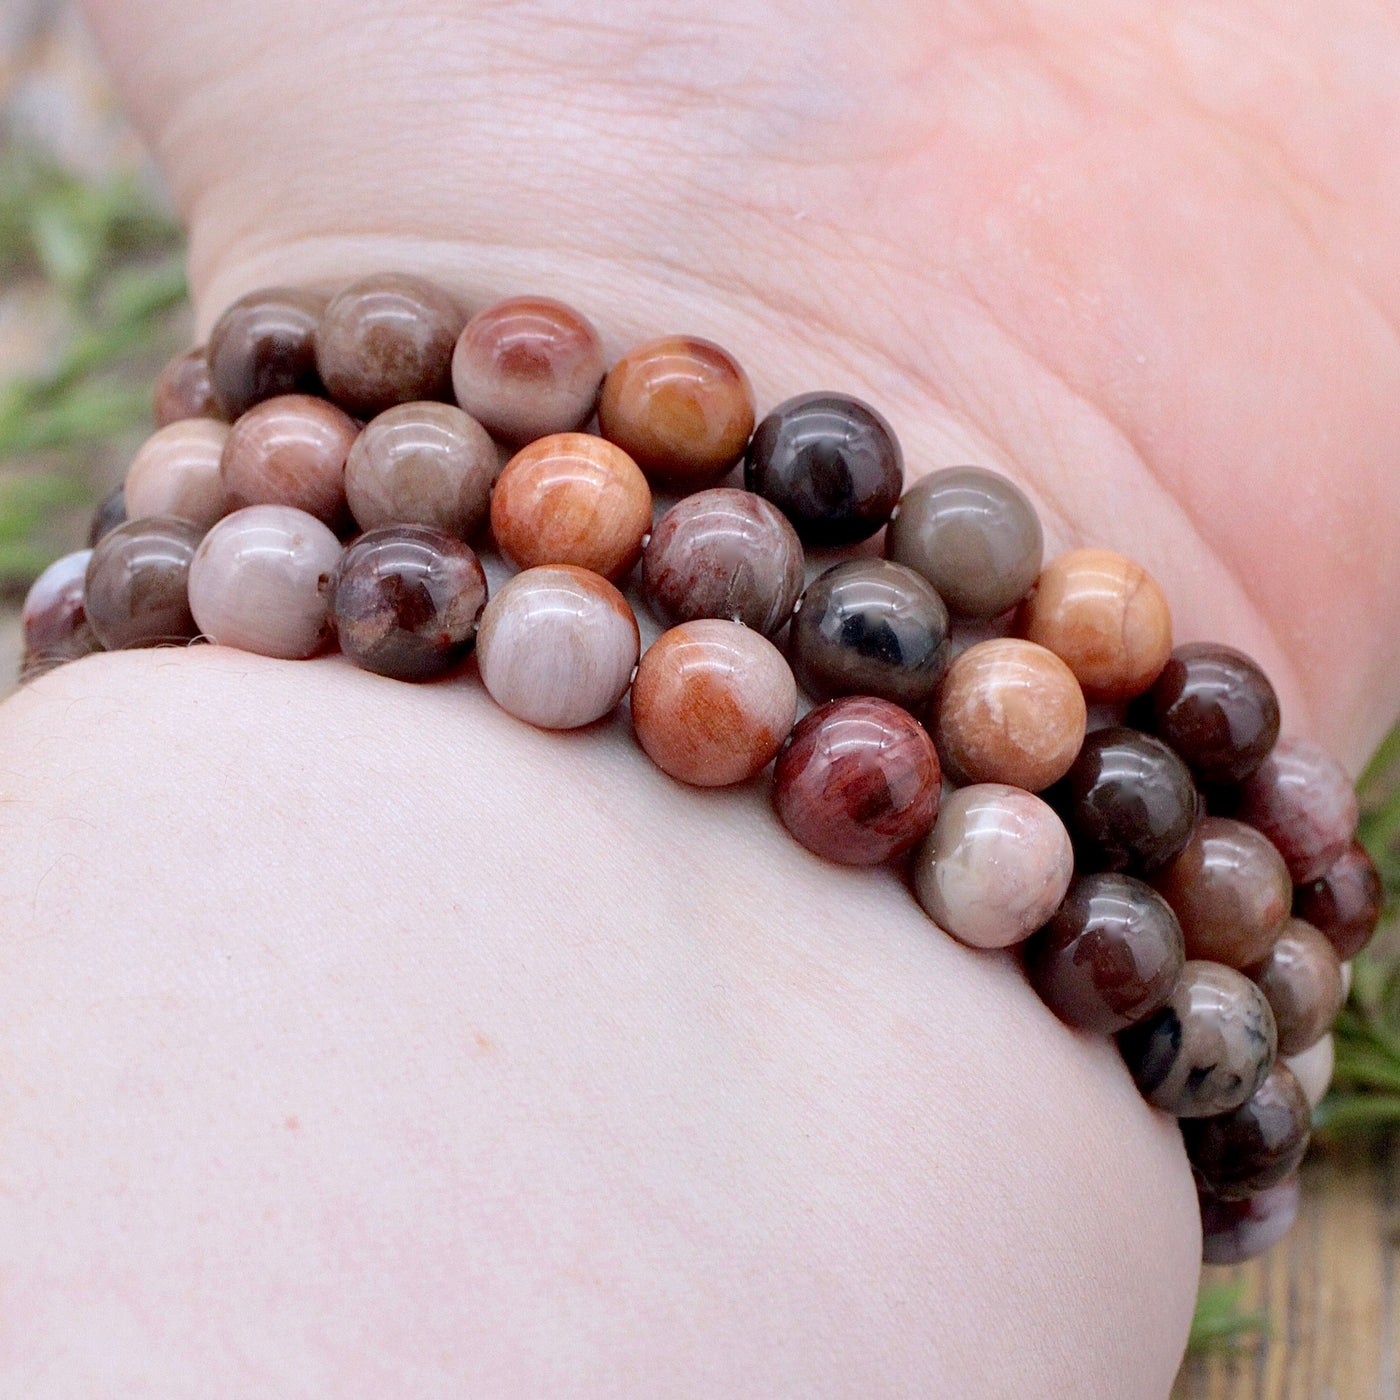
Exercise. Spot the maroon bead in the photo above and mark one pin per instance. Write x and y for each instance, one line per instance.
(265, 345)
(137, 585)
(407, 599)
(184, 390)
(54, 617)
(1302, 979)
(1234, 1231)
(859, 782)
(1345, 903)
(108, 515)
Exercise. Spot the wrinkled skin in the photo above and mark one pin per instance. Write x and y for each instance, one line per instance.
(358, 1041)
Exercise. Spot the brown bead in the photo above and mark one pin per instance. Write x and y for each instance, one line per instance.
(1105, 617)
(572, 499)
(528, 367)
(712, 702)
(1009, 712)
(176, 471)
(387, 339)
(137, 584)
(110, 513)
(290, 451)
(1345, 904)
(184, 389)
(1234, 1231)
(53, 619)
(265, 345)
(681, 407)
(1230, 890)
(1255, 1146)
(1302, 978)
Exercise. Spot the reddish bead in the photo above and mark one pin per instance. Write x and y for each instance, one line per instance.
(860, 781)
(184, 390)
(1254, 1146)
(54, 618)
(137, 584)
(265, 345)
(1345, 903)
(1302, 979)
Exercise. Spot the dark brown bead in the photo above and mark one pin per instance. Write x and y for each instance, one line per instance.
(108, 515)
(137, 584)
(1302, 978)
(387, 339)
(1234, 1231)
(859, 782)
(1345, 904)
(406, 600)
(1217, 709)
(54, 618)
(1109, 957)
(264, 345)
(830, 463)
(185, 390)
(1256, 1145)
(870, 627)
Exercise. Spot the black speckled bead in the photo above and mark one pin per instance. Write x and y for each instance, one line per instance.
(265, 345)
(137, 584)
(870, 627)
(830, 463)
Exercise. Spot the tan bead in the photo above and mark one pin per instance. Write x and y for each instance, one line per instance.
(1105, 617)
(572, 499)
(176, 472)
(712, 702)
(1009, 712)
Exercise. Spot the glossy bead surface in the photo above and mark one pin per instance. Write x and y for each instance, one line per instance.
(421, 464)
(176, 472)
(1254, 1146)
(261, 581)
(1301, 798)
(528, 367)
(830, 463)
(290, 451)
(53, 619)
(556, 646)
(572, 499)
(1217, 709)
(859, 783)
(1313, 1069)
(110, 513)
(1344, 903)
(1009, 712)
(1129, 802)
(1302, 978)
(1105, 617)
(1230, 889)
(1208, 1048)
(712, 702)
(724, 553)
(406, 599)
(995, 866)
(265, 345)
(1109, 956)
(183, 389)
(973, 535)
(136, 587)
(681, 407)
(1235, 1231)
(387, 339)
(870, 627)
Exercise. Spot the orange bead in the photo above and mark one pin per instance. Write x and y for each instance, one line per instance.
(572, 499)
(1105, 617)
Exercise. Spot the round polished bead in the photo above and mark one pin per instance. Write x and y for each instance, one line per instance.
(1344, 903)
(712, 702)
(387, 339)
(572, 499)
(1208, 1048)
(137, 584)
(406, 600)
(681, 407)
(1301, 799)
(1302, 978)
(261, 582)
(995, 866)
(1230, 890)
(110, 513)
(557, 646)
(1255, 1146)
(870, 627)
(290, 451)
(54, 619)
(265, 345)
(859, 783)
(973, 535)
(830, 463)
(1105, 617)
(1235, 1231)
(528, 367)
(1110, 955)
(176, 472)
(1217, 709)
(421, 464)
(1129, 802)
(724, 553)
(1009, 712)
(184, 390)
(1313, 1068)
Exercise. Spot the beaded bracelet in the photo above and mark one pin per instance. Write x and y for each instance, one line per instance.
(1178, 876)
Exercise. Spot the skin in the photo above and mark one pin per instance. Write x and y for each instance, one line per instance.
(409, 1052)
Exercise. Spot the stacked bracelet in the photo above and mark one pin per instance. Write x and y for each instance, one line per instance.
(1177, 876)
